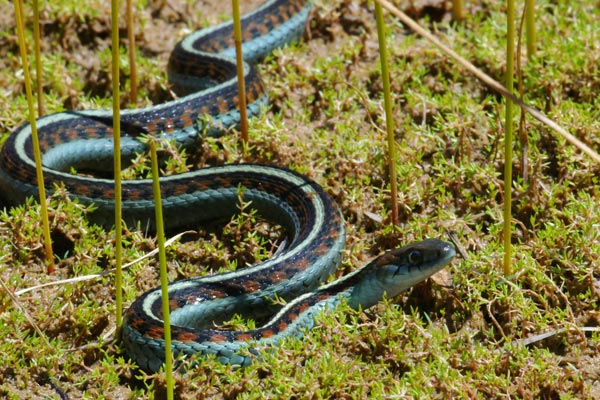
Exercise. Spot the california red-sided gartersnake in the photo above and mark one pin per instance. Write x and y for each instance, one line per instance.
(201, 66)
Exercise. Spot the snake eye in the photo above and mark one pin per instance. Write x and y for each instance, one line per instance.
(415, 257)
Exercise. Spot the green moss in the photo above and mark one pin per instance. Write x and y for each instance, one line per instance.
(459, 335)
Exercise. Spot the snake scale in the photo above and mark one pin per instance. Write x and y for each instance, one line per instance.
(202, 70)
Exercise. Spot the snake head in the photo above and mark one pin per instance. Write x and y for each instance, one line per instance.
(428, 256)
(399, 269)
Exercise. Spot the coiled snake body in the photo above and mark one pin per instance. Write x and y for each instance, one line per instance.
(201, 66)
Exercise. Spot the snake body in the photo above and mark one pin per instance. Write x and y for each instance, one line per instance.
(201, 69)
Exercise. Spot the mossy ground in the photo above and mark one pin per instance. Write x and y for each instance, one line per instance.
(461, 335)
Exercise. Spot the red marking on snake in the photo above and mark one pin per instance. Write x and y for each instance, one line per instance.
(267, 333)
(155, 332)
(186, 337)
(218, 338)
(244, 337)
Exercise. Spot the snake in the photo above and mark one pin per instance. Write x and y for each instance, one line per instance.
(202, 71)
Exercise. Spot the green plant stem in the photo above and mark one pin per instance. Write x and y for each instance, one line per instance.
(508, 136)
(117, 163)
(389, 120)
(530, 26)
(162, 260)
(522, 131)
(457, 10)
(34, 137)
(131, 52)
(239, 58)
(38, 62)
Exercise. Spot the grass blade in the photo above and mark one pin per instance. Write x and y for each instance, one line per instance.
(131, 52)
(530, 26)
(164, 282)
(117, 163)
(38, 62)
(508, 136)
(389, 120)
(458, 12)
(34, 137)
(239, 59)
